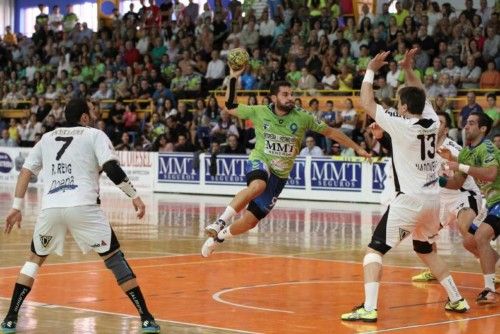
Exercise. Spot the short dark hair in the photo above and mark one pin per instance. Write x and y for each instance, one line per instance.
(484, 120)
(275, 87)
(313, 100)
(492, 95)
(75, 108)
(414, 98)
(446, 117)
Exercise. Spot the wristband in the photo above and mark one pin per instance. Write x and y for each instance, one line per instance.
(127, 187)
(18, 203)
(369, 75)
(464, 168)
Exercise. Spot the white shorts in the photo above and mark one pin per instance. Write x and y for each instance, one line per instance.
(451, 206)
(88, 226)
(407, 215)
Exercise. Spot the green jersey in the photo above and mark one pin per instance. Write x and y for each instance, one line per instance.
(484, 155)
(278, 138)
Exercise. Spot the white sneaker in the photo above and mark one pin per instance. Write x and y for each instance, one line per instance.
(213, 229)
(208, 247)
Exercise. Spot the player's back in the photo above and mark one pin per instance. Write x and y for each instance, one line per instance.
(414, 151)
(71, 158)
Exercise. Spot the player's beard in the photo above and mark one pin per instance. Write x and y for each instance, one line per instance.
(287, 107)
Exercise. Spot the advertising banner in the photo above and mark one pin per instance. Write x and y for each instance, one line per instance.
(332, 175)
(177, 168)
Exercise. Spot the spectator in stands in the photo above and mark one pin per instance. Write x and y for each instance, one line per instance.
(6, 141)
(393, 74)
(69, 20)
(174, 129)
(57, 111)
(49, 123)
(492, 110)
(311, 149)
(345, 78)
(103, 93)
(431, 89)
(13, 131)
(471, 107)
(125, 144)
(233, 146)
(446, 88)
(336, 150)
(349, 118)
(216, 71)
(383, 89)
(9, 38)
(183, 144)
(307, 81)
(223, 128)
(490, 79)
(470, 74)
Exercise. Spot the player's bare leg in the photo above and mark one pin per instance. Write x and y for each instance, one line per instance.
(23, 286)
(238, 203)
(488, 258)
(439, 269)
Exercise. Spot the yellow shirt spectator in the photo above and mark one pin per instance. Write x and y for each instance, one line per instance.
(400, 17)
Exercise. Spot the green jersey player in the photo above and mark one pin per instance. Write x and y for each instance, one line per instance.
(481, 160)
(279, 130)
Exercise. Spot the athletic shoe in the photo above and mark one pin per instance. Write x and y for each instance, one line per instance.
(360, 314)
(213, 229)
(8, 326)
(150, 326)
(486, 297)
(209, 246)
(424, 276)
(460, 306)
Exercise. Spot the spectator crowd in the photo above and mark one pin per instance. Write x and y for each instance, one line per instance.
(174, 55)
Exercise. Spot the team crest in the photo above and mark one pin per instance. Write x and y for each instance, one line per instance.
(403, 233)
(293, 128)
(45, 239)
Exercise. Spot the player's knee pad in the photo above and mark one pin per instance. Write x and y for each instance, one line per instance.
(372, 258)
(379, 246)
(30, 269)
(120, 268)
(422, 247)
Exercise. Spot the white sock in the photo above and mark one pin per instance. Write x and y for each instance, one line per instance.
(227, 214)
(225, 233)
(451, 289)
(489, 281)
(371, 295)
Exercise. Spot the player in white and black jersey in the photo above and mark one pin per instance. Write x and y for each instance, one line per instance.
(70, 160)
(415, 210)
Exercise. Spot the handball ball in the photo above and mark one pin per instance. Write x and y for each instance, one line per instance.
(237, 58)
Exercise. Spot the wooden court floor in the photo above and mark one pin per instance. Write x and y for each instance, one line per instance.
(295, 273)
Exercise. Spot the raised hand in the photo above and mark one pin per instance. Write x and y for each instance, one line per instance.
(405, 63)
(236, 74)
(378, 61)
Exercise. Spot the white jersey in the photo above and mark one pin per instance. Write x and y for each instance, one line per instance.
(469, 184)
(414, 153)
(70, 159)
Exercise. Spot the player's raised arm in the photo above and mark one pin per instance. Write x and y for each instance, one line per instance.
(411, 80)
(231, 100)
(367, 98)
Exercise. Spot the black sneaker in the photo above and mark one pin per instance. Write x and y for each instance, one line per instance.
(8, 326)
(150, 326)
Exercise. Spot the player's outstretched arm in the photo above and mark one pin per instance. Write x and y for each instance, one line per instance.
(118, 176)
(14, 217)
(485, 174)
(410, 78)
(367, 98)
(454, 183)
(343, 140)
(231, 100)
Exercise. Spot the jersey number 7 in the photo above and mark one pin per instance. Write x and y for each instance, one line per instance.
(67, 141)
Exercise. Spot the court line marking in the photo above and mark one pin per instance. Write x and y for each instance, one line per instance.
(38, 304)
(217, 296)
(300, 256)
(431, 324)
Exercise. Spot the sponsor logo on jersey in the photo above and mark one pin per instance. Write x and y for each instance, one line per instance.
(279, 145)
(403, 233)
(45, 240)
(6, 164)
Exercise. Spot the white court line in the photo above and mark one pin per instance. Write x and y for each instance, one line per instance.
(217, 296)
(300, 256)
(430, 324)
(38, 304)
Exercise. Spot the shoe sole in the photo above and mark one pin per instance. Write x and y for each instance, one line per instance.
(457, 311)
(210, 232)
(423, 280)
(486, 302)
(150, 331)
(363, 320)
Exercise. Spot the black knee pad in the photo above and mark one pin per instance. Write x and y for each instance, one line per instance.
(379, 246)
(113, 246)
(422, 247)
(120, 268)
(494, 222)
